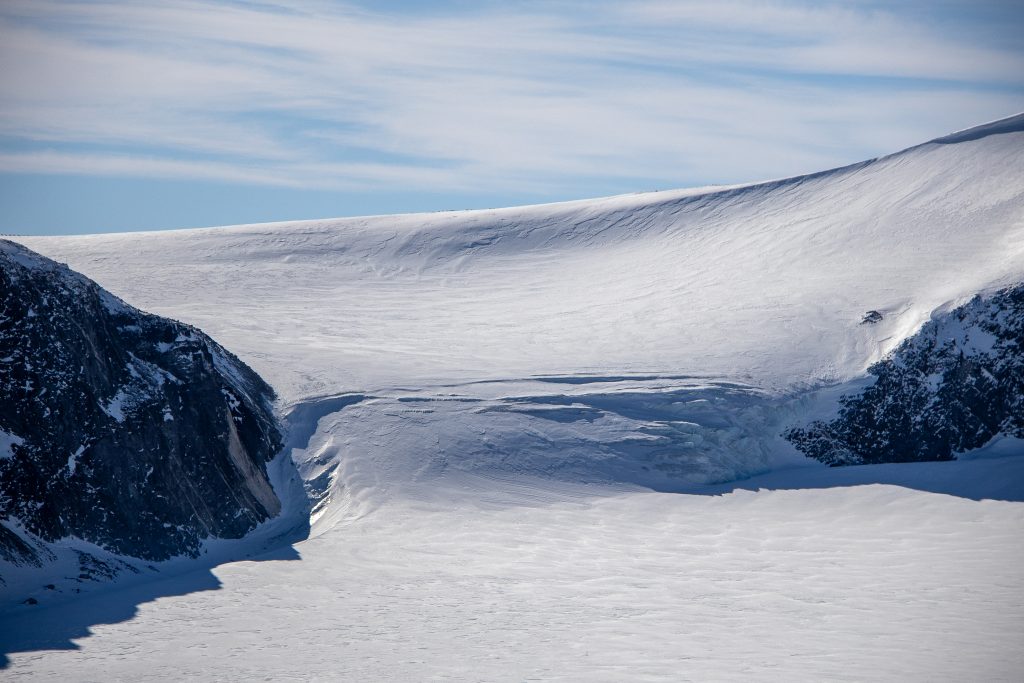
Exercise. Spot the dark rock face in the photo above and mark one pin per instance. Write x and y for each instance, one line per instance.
(16, 551)
(134, 432)
(949, 389)
(871, 317)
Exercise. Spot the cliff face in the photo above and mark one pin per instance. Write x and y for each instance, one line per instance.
(951, 388)
(133, 432)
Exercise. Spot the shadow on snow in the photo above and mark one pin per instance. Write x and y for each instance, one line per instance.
(35, 628)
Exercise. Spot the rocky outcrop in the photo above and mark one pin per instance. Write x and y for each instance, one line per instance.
(135, 433)
(949, 389)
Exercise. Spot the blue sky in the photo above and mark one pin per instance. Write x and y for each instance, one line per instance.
(129, 115)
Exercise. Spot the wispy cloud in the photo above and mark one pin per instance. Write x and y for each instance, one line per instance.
(545, 98)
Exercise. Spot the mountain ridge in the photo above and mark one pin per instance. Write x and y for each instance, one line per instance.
(1009, 124)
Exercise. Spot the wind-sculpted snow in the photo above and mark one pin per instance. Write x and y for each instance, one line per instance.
(949, 389)
(137, 435)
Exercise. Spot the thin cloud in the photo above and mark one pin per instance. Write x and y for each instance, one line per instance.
(540, 100)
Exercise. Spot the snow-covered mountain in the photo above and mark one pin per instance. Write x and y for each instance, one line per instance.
(742, 294)
(765, 283)
(517, 427)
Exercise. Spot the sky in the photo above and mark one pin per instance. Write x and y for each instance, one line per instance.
(133, 115)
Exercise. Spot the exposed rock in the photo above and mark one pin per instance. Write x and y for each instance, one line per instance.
(951, 388)
(133, 432)
(16, 551)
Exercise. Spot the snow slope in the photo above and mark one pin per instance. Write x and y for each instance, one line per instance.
(765, 283)
(513, 421)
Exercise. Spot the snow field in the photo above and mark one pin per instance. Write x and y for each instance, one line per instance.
(573, 582)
